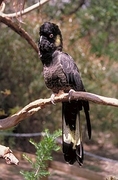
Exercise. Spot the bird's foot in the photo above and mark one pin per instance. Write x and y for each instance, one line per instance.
(70, 94)
(52, 98)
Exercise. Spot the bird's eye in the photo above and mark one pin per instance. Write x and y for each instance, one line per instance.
(51, 35)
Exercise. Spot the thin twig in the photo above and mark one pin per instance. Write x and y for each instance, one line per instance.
(27, 10)
(2, 7)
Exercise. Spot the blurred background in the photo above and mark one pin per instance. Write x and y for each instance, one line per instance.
(90, 36)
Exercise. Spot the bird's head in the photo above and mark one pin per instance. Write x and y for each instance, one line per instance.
(50, 38)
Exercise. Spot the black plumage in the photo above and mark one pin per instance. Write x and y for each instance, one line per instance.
(61, 74)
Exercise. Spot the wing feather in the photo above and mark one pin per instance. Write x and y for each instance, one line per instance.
(74, 79)
(71, 71)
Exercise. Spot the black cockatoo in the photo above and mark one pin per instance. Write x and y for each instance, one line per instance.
(61, 74)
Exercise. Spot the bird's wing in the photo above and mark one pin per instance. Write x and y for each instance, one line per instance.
(74, 79)
(72, 137)
(71, 71)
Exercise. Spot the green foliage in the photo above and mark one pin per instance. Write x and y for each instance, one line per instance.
(7, 140)
(43, 156)
(56, 9)
(99, 21)
(18, 71)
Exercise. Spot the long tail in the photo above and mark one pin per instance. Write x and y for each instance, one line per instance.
(72, 138)
(85, 104)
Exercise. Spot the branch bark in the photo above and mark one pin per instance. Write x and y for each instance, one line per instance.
(7, 154)
(5, 18)
(39, 104)
(2, 6)
(27, 10)
(15, 27)
(1, 2)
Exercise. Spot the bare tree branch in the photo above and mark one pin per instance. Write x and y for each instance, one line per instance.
(95, 98)
(7, 154)
(79, 5)
(27, 10)
(17, 28)
(35, 106)
(1, 2)
(2, 7)
(5, 18)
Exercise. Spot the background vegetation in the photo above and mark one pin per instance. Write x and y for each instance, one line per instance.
(90, 34)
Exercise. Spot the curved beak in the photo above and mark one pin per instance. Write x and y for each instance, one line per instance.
(40, 39)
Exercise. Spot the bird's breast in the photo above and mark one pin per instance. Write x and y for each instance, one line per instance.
(55, 78)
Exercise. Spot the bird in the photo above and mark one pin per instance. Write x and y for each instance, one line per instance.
(61, 74)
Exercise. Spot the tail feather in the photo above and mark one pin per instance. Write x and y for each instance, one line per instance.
(80, 154)
(88, 122)
(69, 153)
(72, 139)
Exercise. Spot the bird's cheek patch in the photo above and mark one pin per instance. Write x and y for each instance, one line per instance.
(57, 42)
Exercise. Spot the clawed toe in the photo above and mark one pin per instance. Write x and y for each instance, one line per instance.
(52, 98)
(70, 94)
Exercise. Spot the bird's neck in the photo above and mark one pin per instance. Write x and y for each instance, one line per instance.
(48, 57)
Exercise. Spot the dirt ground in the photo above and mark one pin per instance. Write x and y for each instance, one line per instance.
(98, 165)
(11, 172)
(104, 164)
